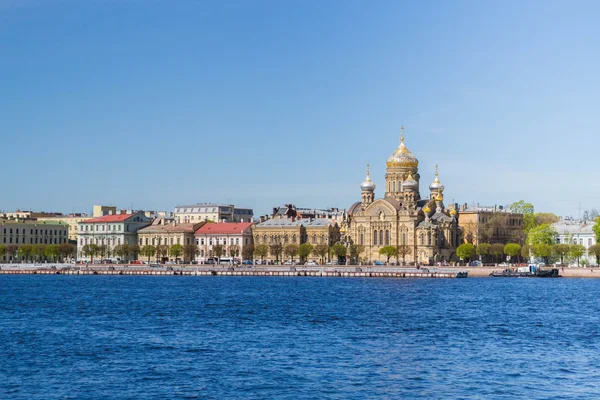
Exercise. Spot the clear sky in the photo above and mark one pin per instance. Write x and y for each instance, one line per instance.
(159, 103)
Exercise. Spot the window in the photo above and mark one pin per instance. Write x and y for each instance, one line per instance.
(381, 237)
(362, 239)
(387, 237)
(375, 237)
(404, 238)
(237, 240)
(394, 186)
(429, 238)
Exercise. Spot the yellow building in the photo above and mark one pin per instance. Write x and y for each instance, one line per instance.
(15, 233)
(421, 228)
(169, 235)
(490, 225)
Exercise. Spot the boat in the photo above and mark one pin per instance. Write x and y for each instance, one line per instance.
(532, 273)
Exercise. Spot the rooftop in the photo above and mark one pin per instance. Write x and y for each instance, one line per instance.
(296, 222)
(171, 228)
(223, 228)
(109, 218)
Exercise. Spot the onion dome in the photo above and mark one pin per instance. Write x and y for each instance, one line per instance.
(453, 212)
(410, 183)
(402, 157)
(368, 185)
(439, 197)
(436, 185)
(426, 209)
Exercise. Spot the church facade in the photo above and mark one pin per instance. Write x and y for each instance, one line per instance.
(422, 229)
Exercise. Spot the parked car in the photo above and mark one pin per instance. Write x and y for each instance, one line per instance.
(137, 262)
(379, 263)
(311, 264)
(475, 263)
(247, 262)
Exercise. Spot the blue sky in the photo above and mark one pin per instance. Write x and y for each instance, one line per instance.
(159, 103)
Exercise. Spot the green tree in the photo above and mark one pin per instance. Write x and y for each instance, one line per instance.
(39, 251)
(512, 250)
(190, 251)
(218, 250)
(304, 251)
(542, 250)
(176, 251)
(321, 251)
(402, 251)
(3, 250)
(355, 251)
(12, 250)
(66, 250)
(542, 234)
(134, 250)
(388, 252)
(90, 250)
(577, 251)
(596, 229)
(339, 250)
(496, 251)
(162, 251)
(526, 252)
(527, 210)
(291, 250)
(121, 251)
(234, 250)
(276, 250)
(465, 251)
(483, 250)
(248, 252)
(561, 250)
(25, 251)
(51, 252)
(595, 250)
(148, 251)
(261, 250)
(104, 251)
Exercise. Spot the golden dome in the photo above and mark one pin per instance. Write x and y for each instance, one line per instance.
(426, 209)
(402, 157)
(439, 197)
(453, 212)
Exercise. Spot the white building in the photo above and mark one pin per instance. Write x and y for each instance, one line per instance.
(111, 230)
(194, 213)
(232, 236)
(575, 232)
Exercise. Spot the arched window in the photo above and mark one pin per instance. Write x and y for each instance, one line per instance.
(265, 239)
(399, 186)
(314, 238)
(375, 237)
(294, 239)
(322, 239)
(387, 237)
(404, 238)
(381, 237)
(429, 238)
(394, 185)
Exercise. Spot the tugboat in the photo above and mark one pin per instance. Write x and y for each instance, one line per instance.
(529, 272)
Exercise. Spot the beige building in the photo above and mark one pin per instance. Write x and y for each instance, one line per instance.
(422, 227)
(490, 225)
(200, 212)
(101, 211)
(168, 234)
(284, 230)
(15, 233)
(72, 220)
(233, 237)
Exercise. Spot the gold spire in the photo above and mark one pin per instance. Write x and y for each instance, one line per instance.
(368, 173)
(402, 135)
(437, 179)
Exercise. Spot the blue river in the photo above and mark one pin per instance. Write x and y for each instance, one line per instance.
(115, 337)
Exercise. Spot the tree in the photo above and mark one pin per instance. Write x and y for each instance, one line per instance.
(261, 250)
(104, 251)
(176, 251)
(388, 252)
(134, 250)
(190, 251)
(561, 250)
(596, 229)
(90, 250)
(304, 251)
(527, 210)
(234, 250)
(291, 250)
(577, 251)
(525, 251)
(546, 218)
(276, 250)
(3, 250)
(162, 251)
(402, 251)
(512, 249)
(66, 250)
(218, 250)
(248, 252)
(121, 251)
(12, 249)
(543, 234)
(497, 250)
(321, 251)
(542, 250)
(147, 251)
(339, 250)
(25, 251)
(355, 251)
(595, 250)
(465, 251)
(483, 250)
(51, 252)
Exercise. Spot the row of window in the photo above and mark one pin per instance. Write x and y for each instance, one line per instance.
(589, 241)
(31, 231)
(102, 228)
(276, 239)
(35, 240)
(103, 241)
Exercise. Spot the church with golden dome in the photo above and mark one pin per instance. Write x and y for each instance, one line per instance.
(423, 229)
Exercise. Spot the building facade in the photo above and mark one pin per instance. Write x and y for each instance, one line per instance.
(15, 233)
(110, 231)
(490, 225)
(168, 234)
(423, 228)
(233, 237)
(193, 213)
(570, 231)
(72, 221)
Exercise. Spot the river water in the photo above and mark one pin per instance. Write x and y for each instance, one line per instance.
(77, 337)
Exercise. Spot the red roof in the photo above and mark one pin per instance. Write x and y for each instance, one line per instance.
(109, 218)
(223, 228)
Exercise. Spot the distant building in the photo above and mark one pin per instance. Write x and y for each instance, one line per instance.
(571, 231)
(100, 211)
(496, 224)
(72, 220)
(212, 212)
(110, 230)
(233, 236)
(19, 232)
(291, 211)
(160, 234)
(22, 215)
